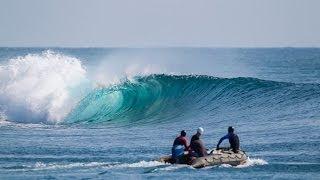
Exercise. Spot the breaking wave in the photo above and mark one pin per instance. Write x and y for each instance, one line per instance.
(52, 88)
(40, 88)
(161, 98)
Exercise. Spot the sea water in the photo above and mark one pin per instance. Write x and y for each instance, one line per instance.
(110, 113)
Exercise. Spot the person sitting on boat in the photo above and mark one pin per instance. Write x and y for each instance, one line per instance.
(233, 140)
(180, 145)
(197, 148)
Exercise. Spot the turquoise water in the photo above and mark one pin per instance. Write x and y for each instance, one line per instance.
(85, 113)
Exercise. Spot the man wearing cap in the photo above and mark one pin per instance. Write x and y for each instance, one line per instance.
(233, 140)
(197, 148)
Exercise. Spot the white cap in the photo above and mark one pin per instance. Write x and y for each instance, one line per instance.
(200, 130)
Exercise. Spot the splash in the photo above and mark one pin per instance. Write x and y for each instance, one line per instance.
(38, 87)
(249, 163)
(252, 162)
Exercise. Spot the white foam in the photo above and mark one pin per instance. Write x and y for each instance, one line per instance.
(142, 164)
(225, 166)
(248, 163)
(138, 164)
(44, 166)
(171, 167)
(36, 87)
(38, 166)
(252, 162)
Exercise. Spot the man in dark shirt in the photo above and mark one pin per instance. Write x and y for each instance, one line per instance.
(197, 148)
(233, 140)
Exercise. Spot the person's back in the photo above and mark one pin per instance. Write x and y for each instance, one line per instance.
(197, 147)
(181, 140)
(180, 144)
(233, 140)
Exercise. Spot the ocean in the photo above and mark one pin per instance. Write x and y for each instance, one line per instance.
(110, 113)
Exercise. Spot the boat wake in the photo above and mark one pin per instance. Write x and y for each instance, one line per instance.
(155, 166)
(249, 162)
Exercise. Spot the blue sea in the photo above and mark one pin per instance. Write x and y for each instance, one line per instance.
(110, 113)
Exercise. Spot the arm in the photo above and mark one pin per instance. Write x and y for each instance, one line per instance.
(185, 143)
(223, 138)
(204, 150)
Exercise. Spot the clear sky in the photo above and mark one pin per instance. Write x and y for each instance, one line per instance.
(160, 23)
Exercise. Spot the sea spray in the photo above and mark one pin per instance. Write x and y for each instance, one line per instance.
(36, 87)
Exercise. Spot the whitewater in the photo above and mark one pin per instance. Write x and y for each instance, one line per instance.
(111, 112)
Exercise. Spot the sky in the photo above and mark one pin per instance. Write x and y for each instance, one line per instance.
(160, 23)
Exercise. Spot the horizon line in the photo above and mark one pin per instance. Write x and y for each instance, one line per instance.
(164, 47)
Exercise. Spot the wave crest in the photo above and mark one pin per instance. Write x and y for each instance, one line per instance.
(53, 88)
(38, 87)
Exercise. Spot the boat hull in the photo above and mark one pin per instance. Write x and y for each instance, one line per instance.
(216, 157)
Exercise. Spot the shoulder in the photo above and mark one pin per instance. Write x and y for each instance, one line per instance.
(233, 136)
(193, 137)
(181, 138)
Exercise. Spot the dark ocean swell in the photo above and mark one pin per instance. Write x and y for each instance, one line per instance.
(163, 98)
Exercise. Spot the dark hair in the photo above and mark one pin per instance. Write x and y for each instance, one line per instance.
(230, 129)
(183, 133)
